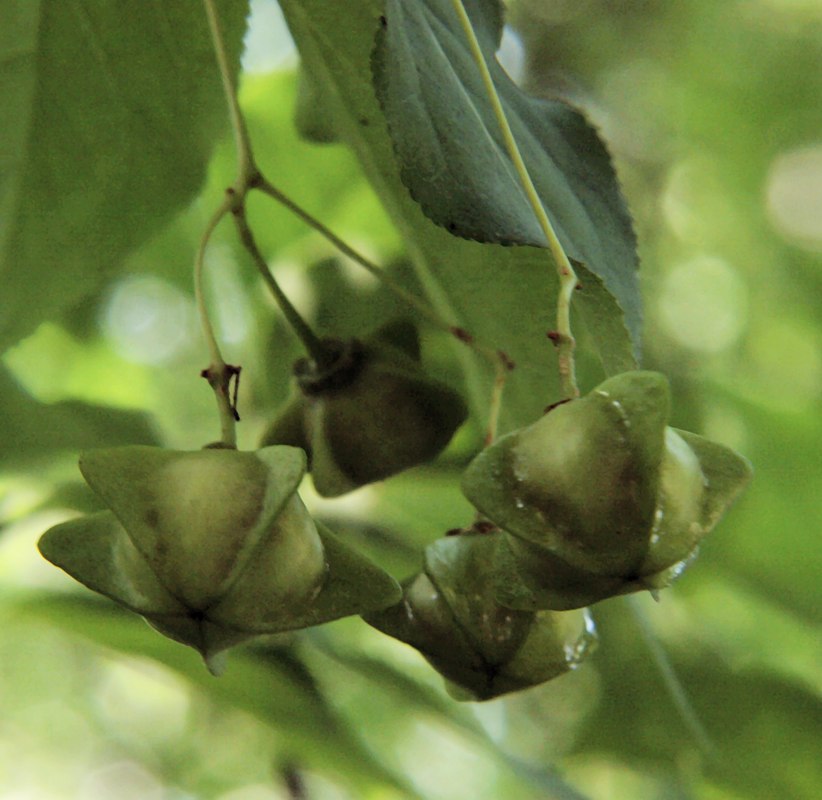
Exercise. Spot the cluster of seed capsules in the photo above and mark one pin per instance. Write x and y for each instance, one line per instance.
(597, 498)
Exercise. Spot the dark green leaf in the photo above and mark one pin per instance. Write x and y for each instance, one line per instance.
(108, 115)
(31, 431)
(762, 729)
(454, 161)
(504, 296)
(271, 686)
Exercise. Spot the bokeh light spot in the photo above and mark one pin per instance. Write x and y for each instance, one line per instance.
(794, 195)
(786, 365)
(142, 701)
(703, 304)
(268, 43)
(147, 320)
(121, 780)
(511, 54)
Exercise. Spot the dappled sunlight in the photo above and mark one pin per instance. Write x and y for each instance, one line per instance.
(511, 54)
(712, 115)
(726, 425)
(355, 506)
(794, 196)
(452, 769)
(21, 566)
(148, 321)
(784, 365)
(268, 44)
(604, 778)
(148, 703)
(121, 780)
(232, 310)
(702, 304)
(698, 205)
(53, 365)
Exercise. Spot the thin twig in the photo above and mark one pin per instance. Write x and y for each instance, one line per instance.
(248, 176)
(312, 343)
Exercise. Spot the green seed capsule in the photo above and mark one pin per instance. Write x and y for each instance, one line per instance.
(213, 547)
(599, 497)
(370, 415)
(482, 649)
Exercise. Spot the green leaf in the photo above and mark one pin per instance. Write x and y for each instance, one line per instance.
(606, 325)
(763, 729)
(32, 431)
(271, 686)
(504, 296)
(454, 161)
(771, 542)
(108, 114)
(395, 694)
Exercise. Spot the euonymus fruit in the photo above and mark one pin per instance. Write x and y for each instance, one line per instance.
(600, 497)
(370, 414)
(483, 649)
(212, 547)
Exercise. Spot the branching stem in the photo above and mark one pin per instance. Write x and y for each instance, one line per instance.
(249, 177)
(220, 374)
(312, 343)
(563, 338)
(346, 249)
(501, 363)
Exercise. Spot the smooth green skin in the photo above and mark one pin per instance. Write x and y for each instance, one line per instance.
(389, 418)
(600, 497)
(677, 526)
(582, 481)
(213, 547)
(483, 650)
(198, 517)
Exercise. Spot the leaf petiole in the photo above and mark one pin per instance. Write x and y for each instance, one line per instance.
(562, 338)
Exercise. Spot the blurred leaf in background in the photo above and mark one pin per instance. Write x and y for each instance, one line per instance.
(712, 114)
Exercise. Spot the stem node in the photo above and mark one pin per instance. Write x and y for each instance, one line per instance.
(220, 376)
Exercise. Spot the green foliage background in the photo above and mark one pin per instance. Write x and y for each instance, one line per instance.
(712, 113)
